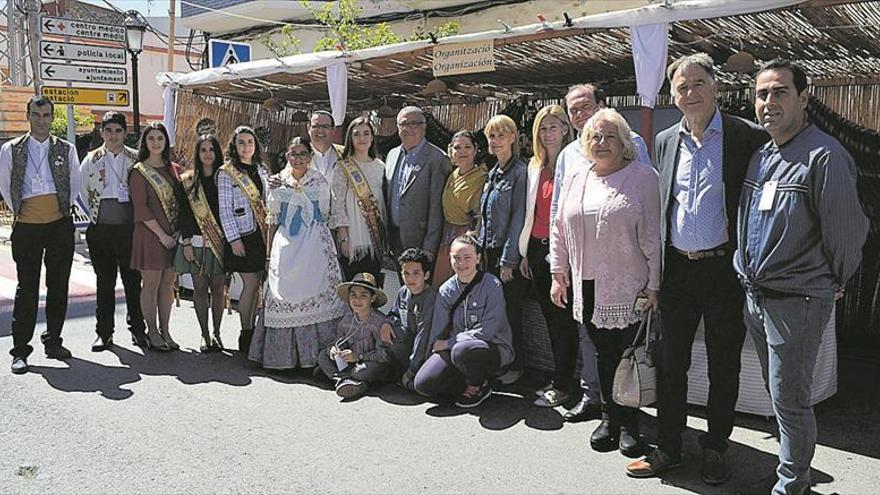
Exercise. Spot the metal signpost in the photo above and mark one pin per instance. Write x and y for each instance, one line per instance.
(65, 70)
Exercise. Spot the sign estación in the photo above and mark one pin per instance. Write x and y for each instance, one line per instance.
(63, 54)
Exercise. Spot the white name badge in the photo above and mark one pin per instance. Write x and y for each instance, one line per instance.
(37, 185)
(122, 194)
(767, 195)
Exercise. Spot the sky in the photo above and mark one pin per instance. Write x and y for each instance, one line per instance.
(149, 8)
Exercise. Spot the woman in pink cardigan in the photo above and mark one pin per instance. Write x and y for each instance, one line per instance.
(605, 239)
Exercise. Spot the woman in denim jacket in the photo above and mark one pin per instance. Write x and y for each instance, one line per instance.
(502, 214)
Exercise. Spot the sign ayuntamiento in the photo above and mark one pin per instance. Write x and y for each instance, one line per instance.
(464, 58)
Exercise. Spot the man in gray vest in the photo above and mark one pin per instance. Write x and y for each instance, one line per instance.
(39, 180)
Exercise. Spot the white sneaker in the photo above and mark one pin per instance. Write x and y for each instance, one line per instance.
(350, 388)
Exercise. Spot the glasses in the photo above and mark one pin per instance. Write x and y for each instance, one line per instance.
(409, 124)
(326, 127)
(302, 154)
(601, 138)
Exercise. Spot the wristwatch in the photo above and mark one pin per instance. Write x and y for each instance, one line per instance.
(360, 358)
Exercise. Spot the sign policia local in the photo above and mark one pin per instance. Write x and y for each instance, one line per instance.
(68, 27)
(82, 53)
(87, 96)
(464, 58)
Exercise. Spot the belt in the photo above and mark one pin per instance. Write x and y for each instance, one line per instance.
(716, 252)
(543, 242)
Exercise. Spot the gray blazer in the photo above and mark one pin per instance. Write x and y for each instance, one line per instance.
(741, 139)
(421, 208)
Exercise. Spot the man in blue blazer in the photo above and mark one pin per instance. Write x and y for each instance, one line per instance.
(702, 161)
(415, 174)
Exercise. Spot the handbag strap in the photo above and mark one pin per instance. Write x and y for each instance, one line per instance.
(644, 332)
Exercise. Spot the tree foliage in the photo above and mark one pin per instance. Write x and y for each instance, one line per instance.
(59, 120)
(344, 31)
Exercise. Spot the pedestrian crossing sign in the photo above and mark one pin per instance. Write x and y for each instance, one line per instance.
(222, 53)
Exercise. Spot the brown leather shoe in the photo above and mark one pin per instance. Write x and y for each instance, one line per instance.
(653, 464)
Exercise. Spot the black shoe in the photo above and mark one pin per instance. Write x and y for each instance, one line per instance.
(244, 340)
(583, 411)
(57, 352)
(714, 470)
(139, 339)
(605, 437)
(629, 444)
(654, 464)
(474, 395)
(19, 365)
(101, 343)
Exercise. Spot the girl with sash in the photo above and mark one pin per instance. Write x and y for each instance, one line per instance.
(200, 252)
(242, 187)
(358, 209)
(154, 187)
(461, 196)
(301, 307)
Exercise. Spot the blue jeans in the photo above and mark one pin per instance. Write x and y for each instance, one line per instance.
(787, 330)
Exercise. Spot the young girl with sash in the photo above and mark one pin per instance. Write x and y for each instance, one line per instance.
(242, 187)
(358, 210)
(301, 308)
(154, 187)
(200, 252)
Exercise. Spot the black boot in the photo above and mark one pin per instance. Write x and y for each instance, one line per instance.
(605, 436)
(629, 444)
(244, 340)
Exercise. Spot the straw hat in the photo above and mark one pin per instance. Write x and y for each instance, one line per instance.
(367, 281)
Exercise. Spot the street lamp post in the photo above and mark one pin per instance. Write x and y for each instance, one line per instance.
(134, 40)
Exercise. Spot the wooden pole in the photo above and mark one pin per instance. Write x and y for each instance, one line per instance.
(171, 15)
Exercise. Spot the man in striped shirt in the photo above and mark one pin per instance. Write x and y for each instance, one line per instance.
(801, 231)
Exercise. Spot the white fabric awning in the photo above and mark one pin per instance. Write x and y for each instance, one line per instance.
(680, 10)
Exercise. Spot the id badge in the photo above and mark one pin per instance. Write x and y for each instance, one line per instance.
(768, 193)
(122, 195)
(37, 185)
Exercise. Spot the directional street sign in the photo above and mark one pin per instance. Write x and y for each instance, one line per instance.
(222, 53)
(83, 73)
(87, 96)
(82, 53)
(69, 27)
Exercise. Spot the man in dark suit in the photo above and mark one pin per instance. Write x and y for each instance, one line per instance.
(415, 174)
(702, 162)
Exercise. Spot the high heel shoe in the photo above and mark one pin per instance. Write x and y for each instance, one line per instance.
(152, 345)
(169, 342)
(217, 343)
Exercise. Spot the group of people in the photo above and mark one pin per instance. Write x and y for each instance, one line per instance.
(751, 228)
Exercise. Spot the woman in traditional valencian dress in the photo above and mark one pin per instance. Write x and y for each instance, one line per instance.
(358, 209)
(200, 252)
(242, 187)
(155, 191)
(301, 308)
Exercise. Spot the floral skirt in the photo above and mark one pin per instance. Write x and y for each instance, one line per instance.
(291, 347)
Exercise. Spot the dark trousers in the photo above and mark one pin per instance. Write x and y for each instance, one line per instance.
(32, 245)
(692, 289)
(110, 252)
(514, 293)
(448, 373)
(368, 371)
(367, 264)
(561, 325)
(610, 344)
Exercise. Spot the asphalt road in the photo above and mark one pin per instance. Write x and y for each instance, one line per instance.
(128, 422)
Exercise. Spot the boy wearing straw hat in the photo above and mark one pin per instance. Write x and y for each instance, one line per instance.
(359, 356)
